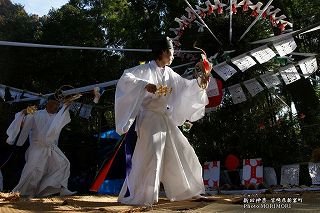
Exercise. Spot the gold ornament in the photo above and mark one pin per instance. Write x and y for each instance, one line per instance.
(31, 109)
(163, 90)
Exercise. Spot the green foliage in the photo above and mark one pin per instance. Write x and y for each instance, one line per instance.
(248, 130)
(284, 138)
(261, 127)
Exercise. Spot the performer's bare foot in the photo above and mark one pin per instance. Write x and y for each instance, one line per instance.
(66, 192)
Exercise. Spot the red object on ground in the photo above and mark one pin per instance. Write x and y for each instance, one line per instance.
(232, 162)
(104, 171)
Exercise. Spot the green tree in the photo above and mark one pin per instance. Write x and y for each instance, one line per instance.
(304, 14)
(134, 24)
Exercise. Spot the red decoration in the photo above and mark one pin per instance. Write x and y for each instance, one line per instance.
(232, 162)
(210, 9)
(264, 15)
(234, 8)
(211, 174)
(273, 20)
(220, 9)
(280, 120)
(215, 101)
(185, 22)
(262, 126)
(253, 171)
(104, 171)
(302, 116)
(282, 26)
(202, 14)
(245, 7)
(255, 13)
(207, 66)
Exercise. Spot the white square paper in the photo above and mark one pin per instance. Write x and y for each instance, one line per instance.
(253, 86)
(263, 54)
(224, 70)
(289, 74)
(243, 62)
(285, 47)
(270, 80)
(237, 94)
(290, 174)
(308, 66)
(314, 172)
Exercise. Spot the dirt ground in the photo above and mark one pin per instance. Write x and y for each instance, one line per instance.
(308, 202)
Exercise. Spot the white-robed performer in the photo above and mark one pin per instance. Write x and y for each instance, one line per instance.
(47, 169)
(162, 153)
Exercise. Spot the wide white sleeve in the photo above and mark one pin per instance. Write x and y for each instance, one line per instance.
(129, 95)
(23, 123)
(189, 101)
(61, 119)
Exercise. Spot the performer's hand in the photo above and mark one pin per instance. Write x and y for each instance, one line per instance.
(24, 112)
(67, 103)
(204, 81)
(29, 110)
(151, 88)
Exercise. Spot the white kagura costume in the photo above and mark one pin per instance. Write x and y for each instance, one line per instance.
(47, 169)
(162, 153)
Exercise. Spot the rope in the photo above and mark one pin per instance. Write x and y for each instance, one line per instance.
(22, 44)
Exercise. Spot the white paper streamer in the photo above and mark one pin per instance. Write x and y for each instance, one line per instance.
(85, 111)
(28, 95)
(289, 74)
(260, 12)
(15, 94)
(253, 86)
(237, 94)
(75, 106)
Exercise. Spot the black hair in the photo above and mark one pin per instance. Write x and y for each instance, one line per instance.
(52, 97)
(161, 45)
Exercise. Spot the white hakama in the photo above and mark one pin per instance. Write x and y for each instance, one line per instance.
(162, 153)
(47, 169)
